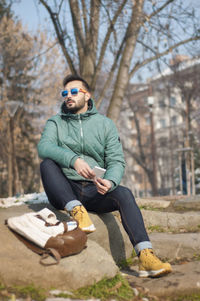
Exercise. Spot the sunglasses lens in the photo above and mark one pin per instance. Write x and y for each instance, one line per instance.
(64, 93)
(74, 91)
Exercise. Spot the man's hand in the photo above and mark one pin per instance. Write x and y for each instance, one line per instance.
(102, 185)
(83, 169)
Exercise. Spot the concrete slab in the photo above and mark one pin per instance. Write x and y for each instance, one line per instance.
(189, 203)
(152, 203)
(172, 221)
(176, 247)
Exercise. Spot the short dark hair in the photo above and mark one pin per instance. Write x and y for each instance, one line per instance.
(72, 77)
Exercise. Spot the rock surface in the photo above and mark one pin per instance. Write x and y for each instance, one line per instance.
(108, 245)
(185, 279)
(176, 246)
(191, 203)
(154, 203)
(19, 265)
(172, 221)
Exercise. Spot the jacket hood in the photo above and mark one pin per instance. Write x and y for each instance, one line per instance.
(91, 110)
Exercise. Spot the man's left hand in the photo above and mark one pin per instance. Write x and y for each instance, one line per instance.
(102, 185)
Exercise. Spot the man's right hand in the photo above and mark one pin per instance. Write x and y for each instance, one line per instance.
(83, 169)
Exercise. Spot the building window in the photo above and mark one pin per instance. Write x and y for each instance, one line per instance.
(163, 142)
(161, 86)
(172, 101)
(161, 103)
(162, 123)
(174, 120)
(147, 118)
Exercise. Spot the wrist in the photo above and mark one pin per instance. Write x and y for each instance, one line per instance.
(111, 184)
(73, 161)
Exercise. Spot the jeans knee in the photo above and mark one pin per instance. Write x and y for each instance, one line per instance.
(123, 196)
(125, 193)
(46, 163)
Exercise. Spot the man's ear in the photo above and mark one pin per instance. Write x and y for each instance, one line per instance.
(88, 96)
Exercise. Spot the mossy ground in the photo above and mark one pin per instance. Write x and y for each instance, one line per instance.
(29, 292)
(117, 288)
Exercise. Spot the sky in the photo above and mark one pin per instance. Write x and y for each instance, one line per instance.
(31, 14)
(34, 15)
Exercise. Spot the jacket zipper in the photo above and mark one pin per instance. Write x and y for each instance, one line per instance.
(81, 132)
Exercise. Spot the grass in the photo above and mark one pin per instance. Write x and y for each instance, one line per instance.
(156, 228)
(116, 288)
(17, 201)
(127, 262)
(196, 256)
(189, 297)
(29, 292)
(145, 207)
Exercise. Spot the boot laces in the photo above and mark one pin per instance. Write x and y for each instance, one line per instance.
(78, 211)
(153, 256)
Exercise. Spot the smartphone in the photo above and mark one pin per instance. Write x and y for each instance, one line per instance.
(99, 172)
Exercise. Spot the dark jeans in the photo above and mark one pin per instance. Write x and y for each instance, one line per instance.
(61, 190)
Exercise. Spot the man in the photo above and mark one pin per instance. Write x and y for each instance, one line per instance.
(72, 144)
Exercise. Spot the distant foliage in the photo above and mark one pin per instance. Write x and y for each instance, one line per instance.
(29, 94)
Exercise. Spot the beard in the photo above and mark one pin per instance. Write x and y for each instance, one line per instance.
(74, 107)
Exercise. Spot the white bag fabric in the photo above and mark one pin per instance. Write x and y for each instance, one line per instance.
(39, 226)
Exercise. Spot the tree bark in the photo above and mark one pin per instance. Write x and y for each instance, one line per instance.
(10, 160)
(16, 182)
(123, 73)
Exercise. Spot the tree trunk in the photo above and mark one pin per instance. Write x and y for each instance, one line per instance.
(153, 155)
(10, 161)
(16, 182)
(123, 73)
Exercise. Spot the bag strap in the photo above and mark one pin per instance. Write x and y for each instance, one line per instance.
(50, 252)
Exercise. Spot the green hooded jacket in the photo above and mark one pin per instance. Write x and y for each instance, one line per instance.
(90, 136)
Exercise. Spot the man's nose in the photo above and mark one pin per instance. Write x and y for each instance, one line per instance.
(69, 94)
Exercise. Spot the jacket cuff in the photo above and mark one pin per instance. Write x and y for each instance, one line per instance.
(113, 186)
(73, 160)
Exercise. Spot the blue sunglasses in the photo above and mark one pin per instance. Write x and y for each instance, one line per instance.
(73, 91)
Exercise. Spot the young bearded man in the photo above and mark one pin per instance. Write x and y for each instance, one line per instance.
(72, 144)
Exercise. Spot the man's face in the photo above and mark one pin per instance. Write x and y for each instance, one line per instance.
(77, 104)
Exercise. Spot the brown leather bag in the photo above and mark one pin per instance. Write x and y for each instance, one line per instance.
(66, 243)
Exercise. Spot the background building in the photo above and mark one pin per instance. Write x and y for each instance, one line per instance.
(160, 132)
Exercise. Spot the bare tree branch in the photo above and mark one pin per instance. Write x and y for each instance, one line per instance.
(111, 74)
(159, 55)
(78, 30)
(105, 42)
(122, 76)
(94, 29)
(147, 27)
(60, 35)
(84, 15)
(160, 9)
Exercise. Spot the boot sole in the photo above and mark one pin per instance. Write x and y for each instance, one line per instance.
(89, 229)
(154, 274)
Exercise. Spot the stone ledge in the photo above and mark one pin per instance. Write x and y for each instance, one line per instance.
(172, 221)
(106, 246)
